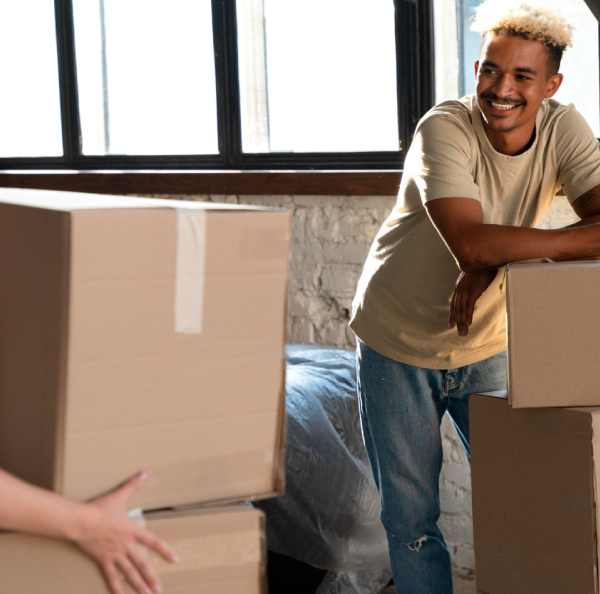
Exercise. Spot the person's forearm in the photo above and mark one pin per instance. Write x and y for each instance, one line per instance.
(491, 246)
(26, 508)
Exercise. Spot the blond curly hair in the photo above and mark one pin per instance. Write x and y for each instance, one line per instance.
(529, 19)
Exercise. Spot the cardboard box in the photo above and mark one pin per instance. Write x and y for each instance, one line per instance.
(553, 334)
(536, 514)
(142, 333)
(220, 551)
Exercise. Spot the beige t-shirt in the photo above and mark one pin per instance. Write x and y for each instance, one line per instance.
(402, 302)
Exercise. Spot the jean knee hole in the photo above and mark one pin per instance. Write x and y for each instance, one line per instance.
(417, 545)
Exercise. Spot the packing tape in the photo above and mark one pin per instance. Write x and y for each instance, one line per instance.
(189, 272)
(137, 515)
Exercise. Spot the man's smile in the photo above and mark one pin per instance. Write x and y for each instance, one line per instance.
(501, 108)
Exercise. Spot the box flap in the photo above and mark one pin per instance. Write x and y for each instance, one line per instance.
(34, 302)
(73, 201)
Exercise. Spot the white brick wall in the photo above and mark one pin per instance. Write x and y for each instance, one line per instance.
(331, 237)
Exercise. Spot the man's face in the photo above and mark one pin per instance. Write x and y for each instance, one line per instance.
(513, 78)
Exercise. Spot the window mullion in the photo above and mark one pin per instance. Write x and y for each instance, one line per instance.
(228, 96)
(415, 64)
(425, 51)
(65, 39)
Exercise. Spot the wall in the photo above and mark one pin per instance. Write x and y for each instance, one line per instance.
(331, 237)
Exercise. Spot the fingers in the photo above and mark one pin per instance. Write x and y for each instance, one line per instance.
(462, 308)
(468, 307)
(112, 577)
(452, 317)
(125, 490)
(144, 570)
(133, 576)
(461, 322)
(158, 546)
(470, 311)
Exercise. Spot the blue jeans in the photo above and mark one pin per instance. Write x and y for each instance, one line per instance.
(401, 408)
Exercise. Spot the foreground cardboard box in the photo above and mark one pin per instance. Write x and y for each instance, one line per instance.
(135, 334)
(553, 334)
(536, 479)
(220, 551)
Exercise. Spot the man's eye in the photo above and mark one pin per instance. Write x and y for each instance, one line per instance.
(522, 77)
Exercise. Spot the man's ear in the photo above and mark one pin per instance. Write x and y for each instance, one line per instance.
(553, 85)
(476, 68)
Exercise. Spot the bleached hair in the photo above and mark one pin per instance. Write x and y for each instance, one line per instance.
(526, 19)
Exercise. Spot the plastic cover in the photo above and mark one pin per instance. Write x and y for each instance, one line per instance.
(329, 515)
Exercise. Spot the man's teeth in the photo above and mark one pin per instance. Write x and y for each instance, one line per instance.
(502, 106)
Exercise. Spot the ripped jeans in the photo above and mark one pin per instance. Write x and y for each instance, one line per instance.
(401, 408)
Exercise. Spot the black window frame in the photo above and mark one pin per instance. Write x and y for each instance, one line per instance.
(415, 91)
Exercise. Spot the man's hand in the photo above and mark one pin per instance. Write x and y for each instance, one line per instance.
(116, 543)
(469, 288)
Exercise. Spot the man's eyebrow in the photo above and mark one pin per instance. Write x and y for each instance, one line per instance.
(520, 69)
(526, 70)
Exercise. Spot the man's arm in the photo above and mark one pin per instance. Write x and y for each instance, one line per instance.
(587, 208)
(480, 246)
(100, 528)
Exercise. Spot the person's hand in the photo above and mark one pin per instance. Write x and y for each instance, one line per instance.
(111, 539)
(469, 288)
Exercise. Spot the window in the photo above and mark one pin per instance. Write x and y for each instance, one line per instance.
(146, 77)
(217, 84)
(29, 102)
(323, 75)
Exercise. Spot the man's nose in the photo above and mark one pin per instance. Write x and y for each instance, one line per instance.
(504, 85)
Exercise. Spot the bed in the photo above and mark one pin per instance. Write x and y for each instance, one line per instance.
(329, 515)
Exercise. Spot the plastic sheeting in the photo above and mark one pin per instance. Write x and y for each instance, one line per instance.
(329, 515)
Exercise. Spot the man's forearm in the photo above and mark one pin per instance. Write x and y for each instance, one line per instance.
(491, 246)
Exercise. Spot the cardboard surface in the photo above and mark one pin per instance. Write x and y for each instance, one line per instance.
(534, 494)
(221, 551)
(96, 380)
(553, 329)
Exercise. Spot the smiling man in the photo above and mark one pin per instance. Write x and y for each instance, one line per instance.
(429, 312)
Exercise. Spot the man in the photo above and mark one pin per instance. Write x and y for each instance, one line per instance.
(429, 310)
(100, 528)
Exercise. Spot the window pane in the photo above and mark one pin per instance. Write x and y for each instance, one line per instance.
(146, 77)
(447, 51)
(30, 100)
(317, 75)
(580, 64)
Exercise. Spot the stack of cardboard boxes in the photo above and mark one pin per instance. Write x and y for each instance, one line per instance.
(138, 333)
(536, 456)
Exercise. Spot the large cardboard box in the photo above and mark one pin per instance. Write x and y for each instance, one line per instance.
(220, 551)
(553, 334)
(142, 333)
(536, 514)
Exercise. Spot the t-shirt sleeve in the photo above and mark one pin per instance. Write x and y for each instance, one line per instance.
(578, 155)
(439, 160)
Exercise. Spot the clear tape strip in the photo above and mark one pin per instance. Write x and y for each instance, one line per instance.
(137, 515)
(189, 279)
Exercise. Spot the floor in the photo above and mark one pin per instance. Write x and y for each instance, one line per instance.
(288, 576)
